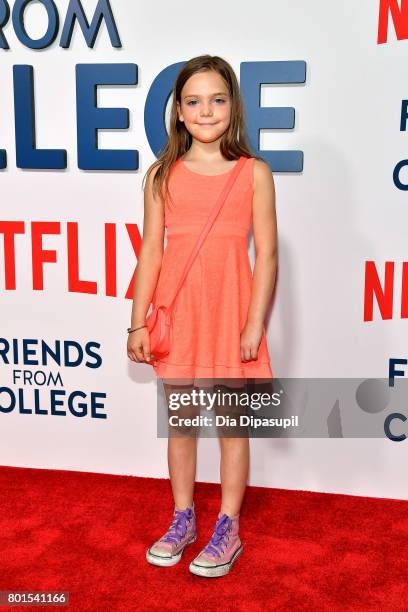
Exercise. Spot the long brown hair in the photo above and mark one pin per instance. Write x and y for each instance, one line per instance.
(233, 143)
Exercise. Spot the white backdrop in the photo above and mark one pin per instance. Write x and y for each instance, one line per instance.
(340, 212)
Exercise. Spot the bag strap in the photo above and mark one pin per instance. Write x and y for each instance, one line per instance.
(220, 201)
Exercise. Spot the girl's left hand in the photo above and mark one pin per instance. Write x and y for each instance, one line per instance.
(251, 337)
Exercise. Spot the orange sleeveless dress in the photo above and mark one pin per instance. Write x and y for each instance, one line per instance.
(211, 308)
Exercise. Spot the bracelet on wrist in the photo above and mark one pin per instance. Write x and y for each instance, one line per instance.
(129, 330)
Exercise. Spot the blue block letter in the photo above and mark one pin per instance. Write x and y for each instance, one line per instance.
(90, 32)
(90, 118)
(18, 24)
(4, 17)
(156, 100)
(27, 156)
(253, 74)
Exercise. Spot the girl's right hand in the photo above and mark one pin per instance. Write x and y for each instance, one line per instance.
(138, 346)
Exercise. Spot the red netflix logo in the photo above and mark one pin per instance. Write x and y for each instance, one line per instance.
(384, 292)
(41, 256)
(399, 16)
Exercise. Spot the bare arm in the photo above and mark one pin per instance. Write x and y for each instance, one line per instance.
(264, 274)
(147, 270)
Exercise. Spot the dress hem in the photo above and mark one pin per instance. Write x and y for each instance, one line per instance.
(253, 370)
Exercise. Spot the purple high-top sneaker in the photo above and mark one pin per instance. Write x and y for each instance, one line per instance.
(225, 546)
(182, 531)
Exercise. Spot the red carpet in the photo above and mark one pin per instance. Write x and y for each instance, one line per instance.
(88, 533)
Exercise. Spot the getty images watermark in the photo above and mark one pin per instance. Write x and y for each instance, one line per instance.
(285, 407)
(228, 407)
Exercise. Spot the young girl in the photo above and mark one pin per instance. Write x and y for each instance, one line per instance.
(218, 319)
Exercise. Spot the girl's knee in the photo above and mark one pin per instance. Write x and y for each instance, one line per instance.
(182, 412)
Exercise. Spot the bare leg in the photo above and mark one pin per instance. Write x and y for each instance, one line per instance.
(234, 466)
(182, 453)
(234, 473)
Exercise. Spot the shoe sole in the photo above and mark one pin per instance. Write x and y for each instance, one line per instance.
(219, 570)
(166, 561)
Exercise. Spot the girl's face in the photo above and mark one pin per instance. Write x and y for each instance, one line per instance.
(205, 106)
